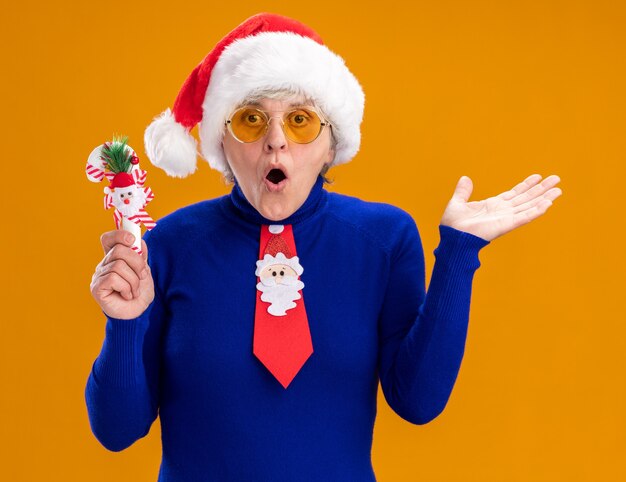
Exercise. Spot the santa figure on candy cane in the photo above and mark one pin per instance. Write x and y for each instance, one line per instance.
(126, 192)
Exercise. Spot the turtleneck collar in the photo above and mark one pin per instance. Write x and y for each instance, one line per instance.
(244, 209)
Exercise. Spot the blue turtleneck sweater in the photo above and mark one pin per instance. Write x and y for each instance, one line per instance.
(224, 417)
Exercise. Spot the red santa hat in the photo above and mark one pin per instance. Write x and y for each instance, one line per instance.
(266, 52)
(120, 180)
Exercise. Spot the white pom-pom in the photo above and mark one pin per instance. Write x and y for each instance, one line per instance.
(170, 146)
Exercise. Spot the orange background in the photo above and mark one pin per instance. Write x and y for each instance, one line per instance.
(493, 90)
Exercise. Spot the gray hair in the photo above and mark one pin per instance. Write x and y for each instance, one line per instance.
(284, 95)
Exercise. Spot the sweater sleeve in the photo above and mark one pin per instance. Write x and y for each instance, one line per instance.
(122, 389)
(422, 335)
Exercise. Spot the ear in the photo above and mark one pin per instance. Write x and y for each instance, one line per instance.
(331, 156)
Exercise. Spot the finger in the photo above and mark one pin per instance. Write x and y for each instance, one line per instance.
(125, 272)
(551, 195)
(530, 214)
(144, 251)
(128, 255)
(118, 236)
(536, 190)
(522, 187)
(463, 190)
(113, 282)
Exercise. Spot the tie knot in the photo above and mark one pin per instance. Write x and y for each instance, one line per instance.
(276, 228)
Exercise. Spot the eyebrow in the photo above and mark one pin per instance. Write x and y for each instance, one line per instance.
(290, 105)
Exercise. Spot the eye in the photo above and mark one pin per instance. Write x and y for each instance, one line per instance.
(130, 193)
(299, 118)
(273, 273)
(252, 117)
(121, 195)
(282, 273)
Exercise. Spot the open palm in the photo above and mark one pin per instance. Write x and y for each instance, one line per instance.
(500, 214)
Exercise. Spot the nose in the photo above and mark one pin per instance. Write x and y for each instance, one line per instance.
(275, 139)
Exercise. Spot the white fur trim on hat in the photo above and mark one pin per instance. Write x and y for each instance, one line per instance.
(281, 60)
(170, 146)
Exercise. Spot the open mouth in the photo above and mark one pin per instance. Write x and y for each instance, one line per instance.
(275, 176)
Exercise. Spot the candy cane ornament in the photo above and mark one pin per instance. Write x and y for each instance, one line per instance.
(118, 162)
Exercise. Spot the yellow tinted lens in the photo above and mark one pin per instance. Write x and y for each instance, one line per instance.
(248, 124)
(302, 126)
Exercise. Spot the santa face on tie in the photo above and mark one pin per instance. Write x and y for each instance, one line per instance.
(279, 282)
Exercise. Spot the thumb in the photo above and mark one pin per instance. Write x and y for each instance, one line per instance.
(463, 189)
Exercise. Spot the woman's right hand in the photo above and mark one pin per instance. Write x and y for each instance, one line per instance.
(122, 284)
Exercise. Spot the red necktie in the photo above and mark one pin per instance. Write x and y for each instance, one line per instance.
(282, 340)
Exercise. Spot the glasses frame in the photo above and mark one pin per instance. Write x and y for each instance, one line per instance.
(323, 123)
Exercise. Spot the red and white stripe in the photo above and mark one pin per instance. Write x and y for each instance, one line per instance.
(149, 194)
(117, 216)
(142, 217)
(94, 174)
(108, 201)
(139, 175)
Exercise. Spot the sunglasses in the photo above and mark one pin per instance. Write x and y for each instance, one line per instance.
(301, 125)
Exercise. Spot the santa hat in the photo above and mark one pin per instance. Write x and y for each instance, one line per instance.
(267, 51)
(121, 180)
(277, 252)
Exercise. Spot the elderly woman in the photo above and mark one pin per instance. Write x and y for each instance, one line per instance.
(261, 322)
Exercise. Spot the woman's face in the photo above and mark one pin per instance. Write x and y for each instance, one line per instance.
(256, 165)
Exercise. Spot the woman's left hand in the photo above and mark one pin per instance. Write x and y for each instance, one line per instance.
(500, 214)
